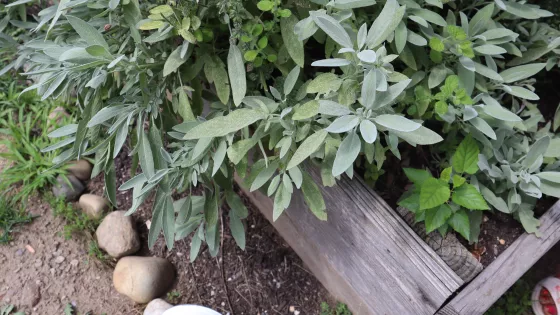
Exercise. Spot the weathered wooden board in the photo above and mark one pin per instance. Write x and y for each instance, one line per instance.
(479, 295)
(365, 254)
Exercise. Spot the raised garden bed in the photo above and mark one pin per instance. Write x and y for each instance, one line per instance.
(368, 257)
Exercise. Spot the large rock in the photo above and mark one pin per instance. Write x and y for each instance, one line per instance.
(157, 307)
(93, 206)
(81, 169)
(117, 235)
(70, 190)
(143, 279)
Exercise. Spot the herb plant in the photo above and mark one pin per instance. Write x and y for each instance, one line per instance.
(196, 87)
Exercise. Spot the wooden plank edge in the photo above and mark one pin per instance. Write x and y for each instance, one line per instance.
(479, 295)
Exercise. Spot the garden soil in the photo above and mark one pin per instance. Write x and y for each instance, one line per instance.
(41, 272)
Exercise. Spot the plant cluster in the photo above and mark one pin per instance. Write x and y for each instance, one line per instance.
(10, 310)
(516, 301)
(195, 86)
(10, 217)
(341, 309)
(76, 220)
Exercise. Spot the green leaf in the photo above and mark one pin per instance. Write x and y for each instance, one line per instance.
(293, 45)
(460, 223)
(529, 222)
(145, 155)
(313, 197)
(307, 110)
(483, 127)
(87, 32)
(236, 205)
(236, 71)
(211, 207)
(490, 50)
(196, 242)
(333, 28)
(430, 16)
(368, 130)
(250, 55)
(291, 80)
(537, 150)
(465, 159)
(221, 82)
(185, 109)
(458, 181)
(456, 32)
(346, 154)
(265, 5)
(385, 23)
(550, 176)
(168, 223)
(493, 200)
(480, 20)
(468, 197)
(239, 150)
(396, 122)
(237, 230)
(221, 126)
(446, 174)
(173, 62)
(436, 44)
(487, 72)
(421, 136)
(308, 147)
(433, 193)
(264, 175)
(343, 124)
(521, 72)
(522, 93)
(417, 176)
(436, 217)
(368, 89)
(324, 83)
(411, 202)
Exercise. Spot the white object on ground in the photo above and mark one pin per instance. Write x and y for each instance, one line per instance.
(552, 284)
(190, 310)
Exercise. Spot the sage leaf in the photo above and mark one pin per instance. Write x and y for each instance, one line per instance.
(396, 122)
(343, 124)
(521, 72)
(346, 154)
(293, 44)
(236, 71)
(173, 62)
(333, 29)
(385, 23)
(291, 80)
(237, 230)
(221, 126)
(307, 147)
(313, 197)
(368, 131)
(87, 32)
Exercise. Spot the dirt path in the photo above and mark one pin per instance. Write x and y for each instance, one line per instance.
(41, 272)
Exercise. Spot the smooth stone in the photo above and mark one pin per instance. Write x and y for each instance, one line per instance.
(70, 192)
(93, 206)
(117, 235)
(157, 307)
(143, 279)
(81, 169)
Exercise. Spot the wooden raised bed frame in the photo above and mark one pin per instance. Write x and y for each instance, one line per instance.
(370, 259)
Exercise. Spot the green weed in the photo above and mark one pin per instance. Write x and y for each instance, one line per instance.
(76, 221)
(95, 252)
(10, 217)
(516, 301)
(173, 296)
(69, 309)
(340, 309)
(9, 310)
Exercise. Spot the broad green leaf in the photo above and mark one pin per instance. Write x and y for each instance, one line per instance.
(238, 150)
(430, 16)
(522, 93)
(352, 4)
(417, 176)
(324, 83)
(64, 131)
(396, 122)
(421, 136)
(236, 71)
(459, 221)
(529, 222)
(500, 113)
(550, 176)
(343, 124)
(291, 80)
(367, 56)
(437, 76)
(333, 108)
(221, 126)
(333, 62)
(401, 35)
(346, 154)
(173, 62)
(480, 20)
(293, 45)
(313, 197)
(385, 23)
(467, 196)
(211, 208)
(332, 28)
(306, 110)
(105, 114)
(487, 72)
(483, 127)
(237, 230)
(433, 193)
(185, 109)
(465, 159)
(87, 32)
(196, 242)
(410, 202)
(368, 130)
(537, 150)
(146, 156)
(307, 147)
(446, 174)
(458, 181)
(168, 222)
(368, 89)
(493, 200)
(436, 217)
(388, 97)
(521, 72)
(236, 205)
(264, 175)
(490, 50)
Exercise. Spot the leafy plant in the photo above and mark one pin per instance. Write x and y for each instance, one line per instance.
(341, 309)
(9, 310)
(11, 216)
(516, 301)
(194, 87)
(76, 221)
(450, 200)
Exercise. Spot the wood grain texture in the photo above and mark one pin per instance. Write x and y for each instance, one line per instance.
(364, 254)
(477, 297)
(455, 255)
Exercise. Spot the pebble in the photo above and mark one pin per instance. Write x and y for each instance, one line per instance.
(502, 242)
(74, 262)
(81, 169)
(292, 309)
(157, 307)
(59, 260)
(70, 192)
(38, 263)
(117, 235)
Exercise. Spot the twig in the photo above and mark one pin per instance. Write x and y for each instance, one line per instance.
(194, 277)
(251, 304)
(300, 267)
(247, 282)
(222, 267)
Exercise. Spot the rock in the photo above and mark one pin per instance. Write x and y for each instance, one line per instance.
(157, 307)
(31, 294)
(117, 235)
(81, 169)
(70, 192)
(93, 206)
(59, 260)
(143, 279)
